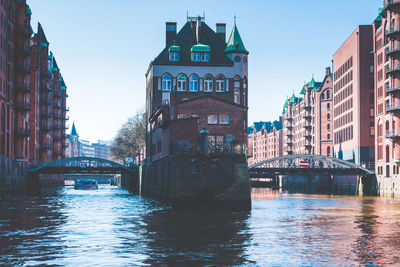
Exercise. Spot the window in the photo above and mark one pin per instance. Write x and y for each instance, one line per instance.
(212, 119)
(174, 56)
(166, 82)
(328, 126)
(328, 106)
(208, 83)
(328, 150)
(329, 116)
(220, 84)
(196, 57)
(205, 57)
(236, 96)
(223, 119)
(194, 83)
(181, 83)
(328, 94)
(371, 112)
(322, 96)
(328, 137)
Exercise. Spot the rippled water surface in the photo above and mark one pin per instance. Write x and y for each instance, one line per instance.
(112, 227)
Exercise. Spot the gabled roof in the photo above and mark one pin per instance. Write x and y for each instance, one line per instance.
(186, 39)
(41, 35)
(235, 43)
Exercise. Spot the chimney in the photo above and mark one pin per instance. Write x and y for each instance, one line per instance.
(198, 29)
(170, 32)
(328, 71)
(221, 31)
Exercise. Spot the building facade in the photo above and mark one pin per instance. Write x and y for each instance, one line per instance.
(197, 83)
(307, 120)
(265, 141)
(386, 47)
(353, 94)
(32, 91)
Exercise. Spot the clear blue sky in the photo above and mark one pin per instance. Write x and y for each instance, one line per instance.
(104, 47)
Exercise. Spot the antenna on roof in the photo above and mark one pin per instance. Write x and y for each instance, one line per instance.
(234, 19)
(204, 15)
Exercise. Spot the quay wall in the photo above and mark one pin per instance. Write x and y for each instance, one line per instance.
(199, 181)
(388, 187)
(329, 184)
(13, 176)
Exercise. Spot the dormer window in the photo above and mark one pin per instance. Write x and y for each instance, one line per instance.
(174, 51)
(200, 53)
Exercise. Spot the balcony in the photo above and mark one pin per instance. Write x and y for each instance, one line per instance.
(307, 124)
(23, 106)
(388, 4)
(391, 108)
(393, 30)
(24, 88)
(393, 69)
(47, 114)
(46, 127)
(46, 146)
(45, 73)
(23, 132)
(306, 105)
(26, 68)
(66, 108)
(307, 115)
(24, 30)
(307, 144)
(392, 89)
(66, 118)
(65, 127)
(45, 87)
(46, 101)
(392, 51)
(393, 134)
(307, 134)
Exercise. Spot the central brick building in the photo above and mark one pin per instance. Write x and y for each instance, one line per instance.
(197, 83)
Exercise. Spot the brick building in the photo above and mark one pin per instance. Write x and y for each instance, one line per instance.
(386, 47)
(198, 82)
(353, 96)
(27, 70)
(307, 120)
(265, 141)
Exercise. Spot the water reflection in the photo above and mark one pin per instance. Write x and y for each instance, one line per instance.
(112, 227)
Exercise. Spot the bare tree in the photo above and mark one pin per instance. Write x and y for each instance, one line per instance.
(131, 138)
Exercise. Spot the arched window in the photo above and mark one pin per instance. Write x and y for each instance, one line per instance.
(194, 83)
(220, 84)
(181, 83)
(328, 126)
(208, 83)
(328, 94)
(380, 125)
(328, 137)
(322, 96)
(328, 150)
(166, 82)
(328, 106)
(329, 116)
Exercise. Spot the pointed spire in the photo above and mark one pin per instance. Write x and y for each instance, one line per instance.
(312, 82)
(73, 130)
(235, 43)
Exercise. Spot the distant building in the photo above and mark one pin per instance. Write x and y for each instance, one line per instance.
(86, 149)
(353, 94)
(307, 120)
(72, 143)
(265, 141)
(102, 149)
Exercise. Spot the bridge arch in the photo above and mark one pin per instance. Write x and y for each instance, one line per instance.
(290, 164)
(82, 165)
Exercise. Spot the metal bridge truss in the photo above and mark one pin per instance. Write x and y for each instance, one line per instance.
(317, 165)
(82, 165)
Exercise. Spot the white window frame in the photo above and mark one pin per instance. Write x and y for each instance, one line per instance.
(225, 120)
(208, 83)
(212, 119)
(205, 57)
(236, 96)
(166, 83)
(181, 87)
(220, 84)
(196, 56)
(194, 84)
(174, 56)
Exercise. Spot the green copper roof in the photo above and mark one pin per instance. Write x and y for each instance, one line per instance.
(73, 131)
(284, 110)
(264, 126)
(174, 48)
(200, 48)
(63, 87)
(312, 83)
(303, 90)
(28, 10)
(235, 43)
(55, 69)
(44, 44)
(380, 10)
(292, 99)
(285, 105)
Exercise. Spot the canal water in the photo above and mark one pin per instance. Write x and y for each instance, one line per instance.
(111, 227)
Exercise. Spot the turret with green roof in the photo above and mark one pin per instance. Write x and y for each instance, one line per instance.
(235, 43)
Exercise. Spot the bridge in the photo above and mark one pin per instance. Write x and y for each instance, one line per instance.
(82, 165)
(306, 165)
(53, 172)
